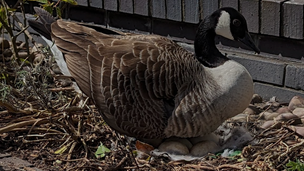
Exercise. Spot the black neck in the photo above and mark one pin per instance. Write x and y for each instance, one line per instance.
(204, 45)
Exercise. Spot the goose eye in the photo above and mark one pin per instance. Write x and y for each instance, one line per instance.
(236, 22)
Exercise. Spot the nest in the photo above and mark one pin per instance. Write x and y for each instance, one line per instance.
(44, 121)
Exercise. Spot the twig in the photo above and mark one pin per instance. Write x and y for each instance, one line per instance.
(199, 167)
(229, 166)
(24, 24)
(136, 167)
(71, 150)
(85, 148)
(118, 166)
(10, 108)
(32, 127)
(38, 129)
(71, 160)
(11, 127)
(57, 3)
(261, 114)
(39, 135)
(9, 29)
(2, 47)
(66, 141)
(20, 32)
(278, 141)
(79, 132)
(69, 124)
(16, 5)
(286, 152)
(40, 140)
(62, 77)
(5, 112)
(61, 89)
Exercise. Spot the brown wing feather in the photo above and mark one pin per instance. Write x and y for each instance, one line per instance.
(129, 77)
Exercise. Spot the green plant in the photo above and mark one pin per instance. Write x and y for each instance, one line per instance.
(295, 166)
(50, 6)
(101, 151)
(4, 91)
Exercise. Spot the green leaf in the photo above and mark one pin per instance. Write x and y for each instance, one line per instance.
(134, 152)
(24, 60)
(235, 153)
(295, 166)
(58, 11)
(48, 8)
(73, 2)
(240, 160)
(3, 16)
(40, 1)
(61, 150)
(3, 76)
(101, 151)
(11, 9)
(58, 161)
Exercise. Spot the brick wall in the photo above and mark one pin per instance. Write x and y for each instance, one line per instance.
(272, 76)
(276, 26)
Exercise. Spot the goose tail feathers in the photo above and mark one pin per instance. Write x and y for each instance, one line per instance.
(43, 24)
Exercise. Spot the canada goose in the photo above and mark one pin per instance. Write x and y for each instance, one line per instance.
(147, 86)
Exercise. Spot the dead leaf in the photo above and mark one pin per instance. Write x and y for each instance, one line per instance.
(143, 147)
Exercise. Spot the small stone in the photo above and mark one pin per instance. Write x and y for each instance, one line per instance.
(291, 142)
(271, 106)
(174, 147)
(37, 48)
(273, 99)
(4, 43)
(240, 118)
(295, 102)
(23, 55)
(268, 124)
(269, 115)
(203, 148)
(256, 99)
(287, 117)
(299, 112)
(255, 109)
(298, 129)
(249, 111)
(283, 110)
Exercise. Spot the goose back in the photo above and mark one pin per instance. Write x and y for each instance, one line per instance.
(136, 81)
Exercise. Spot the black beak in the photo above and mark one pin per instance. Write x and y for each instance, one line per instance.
(247, 40)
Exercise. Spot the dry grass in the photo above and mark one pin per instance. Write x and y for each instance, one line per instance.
(40, 117)
(44, 121)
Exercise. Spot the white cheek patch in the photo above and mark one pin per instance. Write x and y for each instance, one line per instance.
(223, 26)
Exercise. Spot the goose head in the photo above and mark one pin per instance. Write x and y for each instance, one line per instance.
(226, 22)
